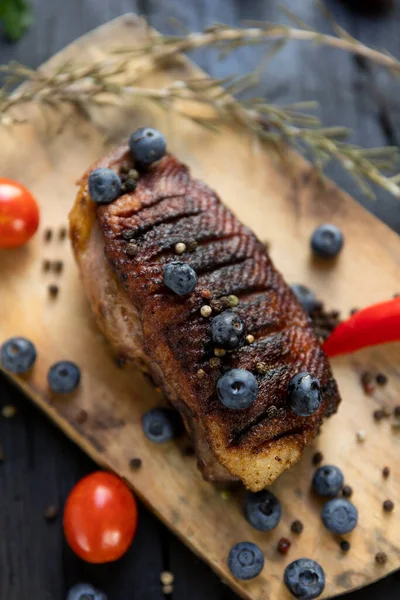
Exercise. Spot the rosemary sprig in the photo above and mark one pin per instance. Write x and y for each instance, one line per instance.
(115, 79)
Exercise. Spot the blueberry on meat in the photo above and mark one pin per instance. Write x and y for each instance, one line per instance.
(227, 330)
(327, 241)
(161, 425)
(63, 377)
(180, 278)
(304, 394)
(85, 591)
(305, 579)
(262, 510)
(339, 516)
(237, 389)
(245, 560)
(147, 145)
(306, 297)
(18, 355)
(104, 185)
(327, 481)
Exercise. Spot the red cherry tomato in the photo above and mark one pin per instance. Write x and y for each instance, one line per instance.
(100, 518)
(19, 214)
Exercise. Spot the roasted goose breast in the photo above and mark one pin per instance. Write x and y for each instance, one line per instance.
(121, 249)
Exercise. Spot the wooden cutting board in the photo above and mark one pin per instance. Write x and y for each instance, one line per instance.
(282, 200)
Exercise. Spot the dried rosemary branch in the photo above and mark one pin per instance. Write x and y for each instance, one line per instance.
(100, 82)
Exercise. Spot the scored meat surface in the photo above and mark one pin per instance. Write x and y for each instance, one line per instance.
(121, 249)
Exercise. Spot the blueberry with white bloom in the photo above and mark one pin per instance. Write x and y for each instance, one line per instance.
(305, 579)
(104, 185)
(147, 145)
(262, 510)
(339, 516)
(327, 241)
(237, 389)
(180, 278)
(18, 355)
(304, 394)
(245, 560)
(327, 481)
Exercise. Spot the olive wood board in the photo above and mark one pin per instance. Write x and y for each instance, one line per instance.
(282, 199)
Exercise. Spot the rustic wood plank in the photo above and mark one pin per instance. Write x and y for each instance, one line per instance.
(285, 195)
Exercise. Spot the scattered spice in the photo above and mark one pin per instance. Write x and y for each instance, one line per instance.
(385, 472)
(381, 558)
(124, 169)
(167, 589)
(128, 234)
(200, 374)
(58, 266)
(135, 463)
(232, 300)
(347, 491)
(51, 513)
(167, 578)
(81, 417)
(215, 362)
(47, 234)
(267, 245)
(283, 545)
(133, 174)
(324, 322)
(396, 425)
(378, 414)
(367, 382)
(2, 455)
(219, 352)
(53, 290)
(361, 436)
(396, 411)
(387, 412)
(249, 338)
(388, 506)
(131, 249)
(191, 246)
(206, 311)
(225, 494)
(261, 368)
(354, 311)
(46, 265)
(8, 411)
(62, 234)
(317, 458)
(297, 527)
(205, 294)
(381, 379)
(344, 545)
(129, 185)
(180, 248)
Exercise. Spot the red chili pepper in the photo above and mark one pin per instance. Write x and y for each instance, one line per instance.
(376, 324)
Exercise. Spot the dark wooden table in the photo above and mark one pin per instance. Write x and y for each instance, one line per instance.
(41, 465)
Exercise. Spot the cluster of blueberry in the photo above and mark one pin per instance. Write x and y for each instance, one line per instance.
(18, 355)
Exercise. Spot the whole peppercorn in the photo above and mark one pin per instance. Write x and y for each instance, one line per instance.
(388, 506)
(385, 472)
(381, 379)
(206, 311)
(347, 491)
(317, 458)
(381, 558)
(344, 545)
(396, 411)
(296, 527)
(378, 414)
(283, 545)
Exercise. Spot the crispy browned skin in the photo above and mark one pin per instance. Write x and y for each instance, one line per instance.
(168, 206)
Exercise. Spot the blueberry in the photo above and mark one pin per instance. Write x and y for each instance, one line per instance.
(306, 297)
(227, 330)
(327, 481)
(339, 516)
(180, 278)
(245, 560)
(327, 241)
(304, 394)
(161, 425)
(104, 186)
(305, 579)
(262, 510)
(147, 145)
(237, 389)
(18, 355)
(63, 377)
(85, 591)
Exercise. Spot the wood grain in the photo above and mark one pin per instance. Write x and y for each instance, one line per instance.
(282, 201)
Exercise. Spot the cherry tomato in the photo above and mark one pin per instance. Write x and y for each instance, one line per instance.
(100, 518)
(19, 214)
